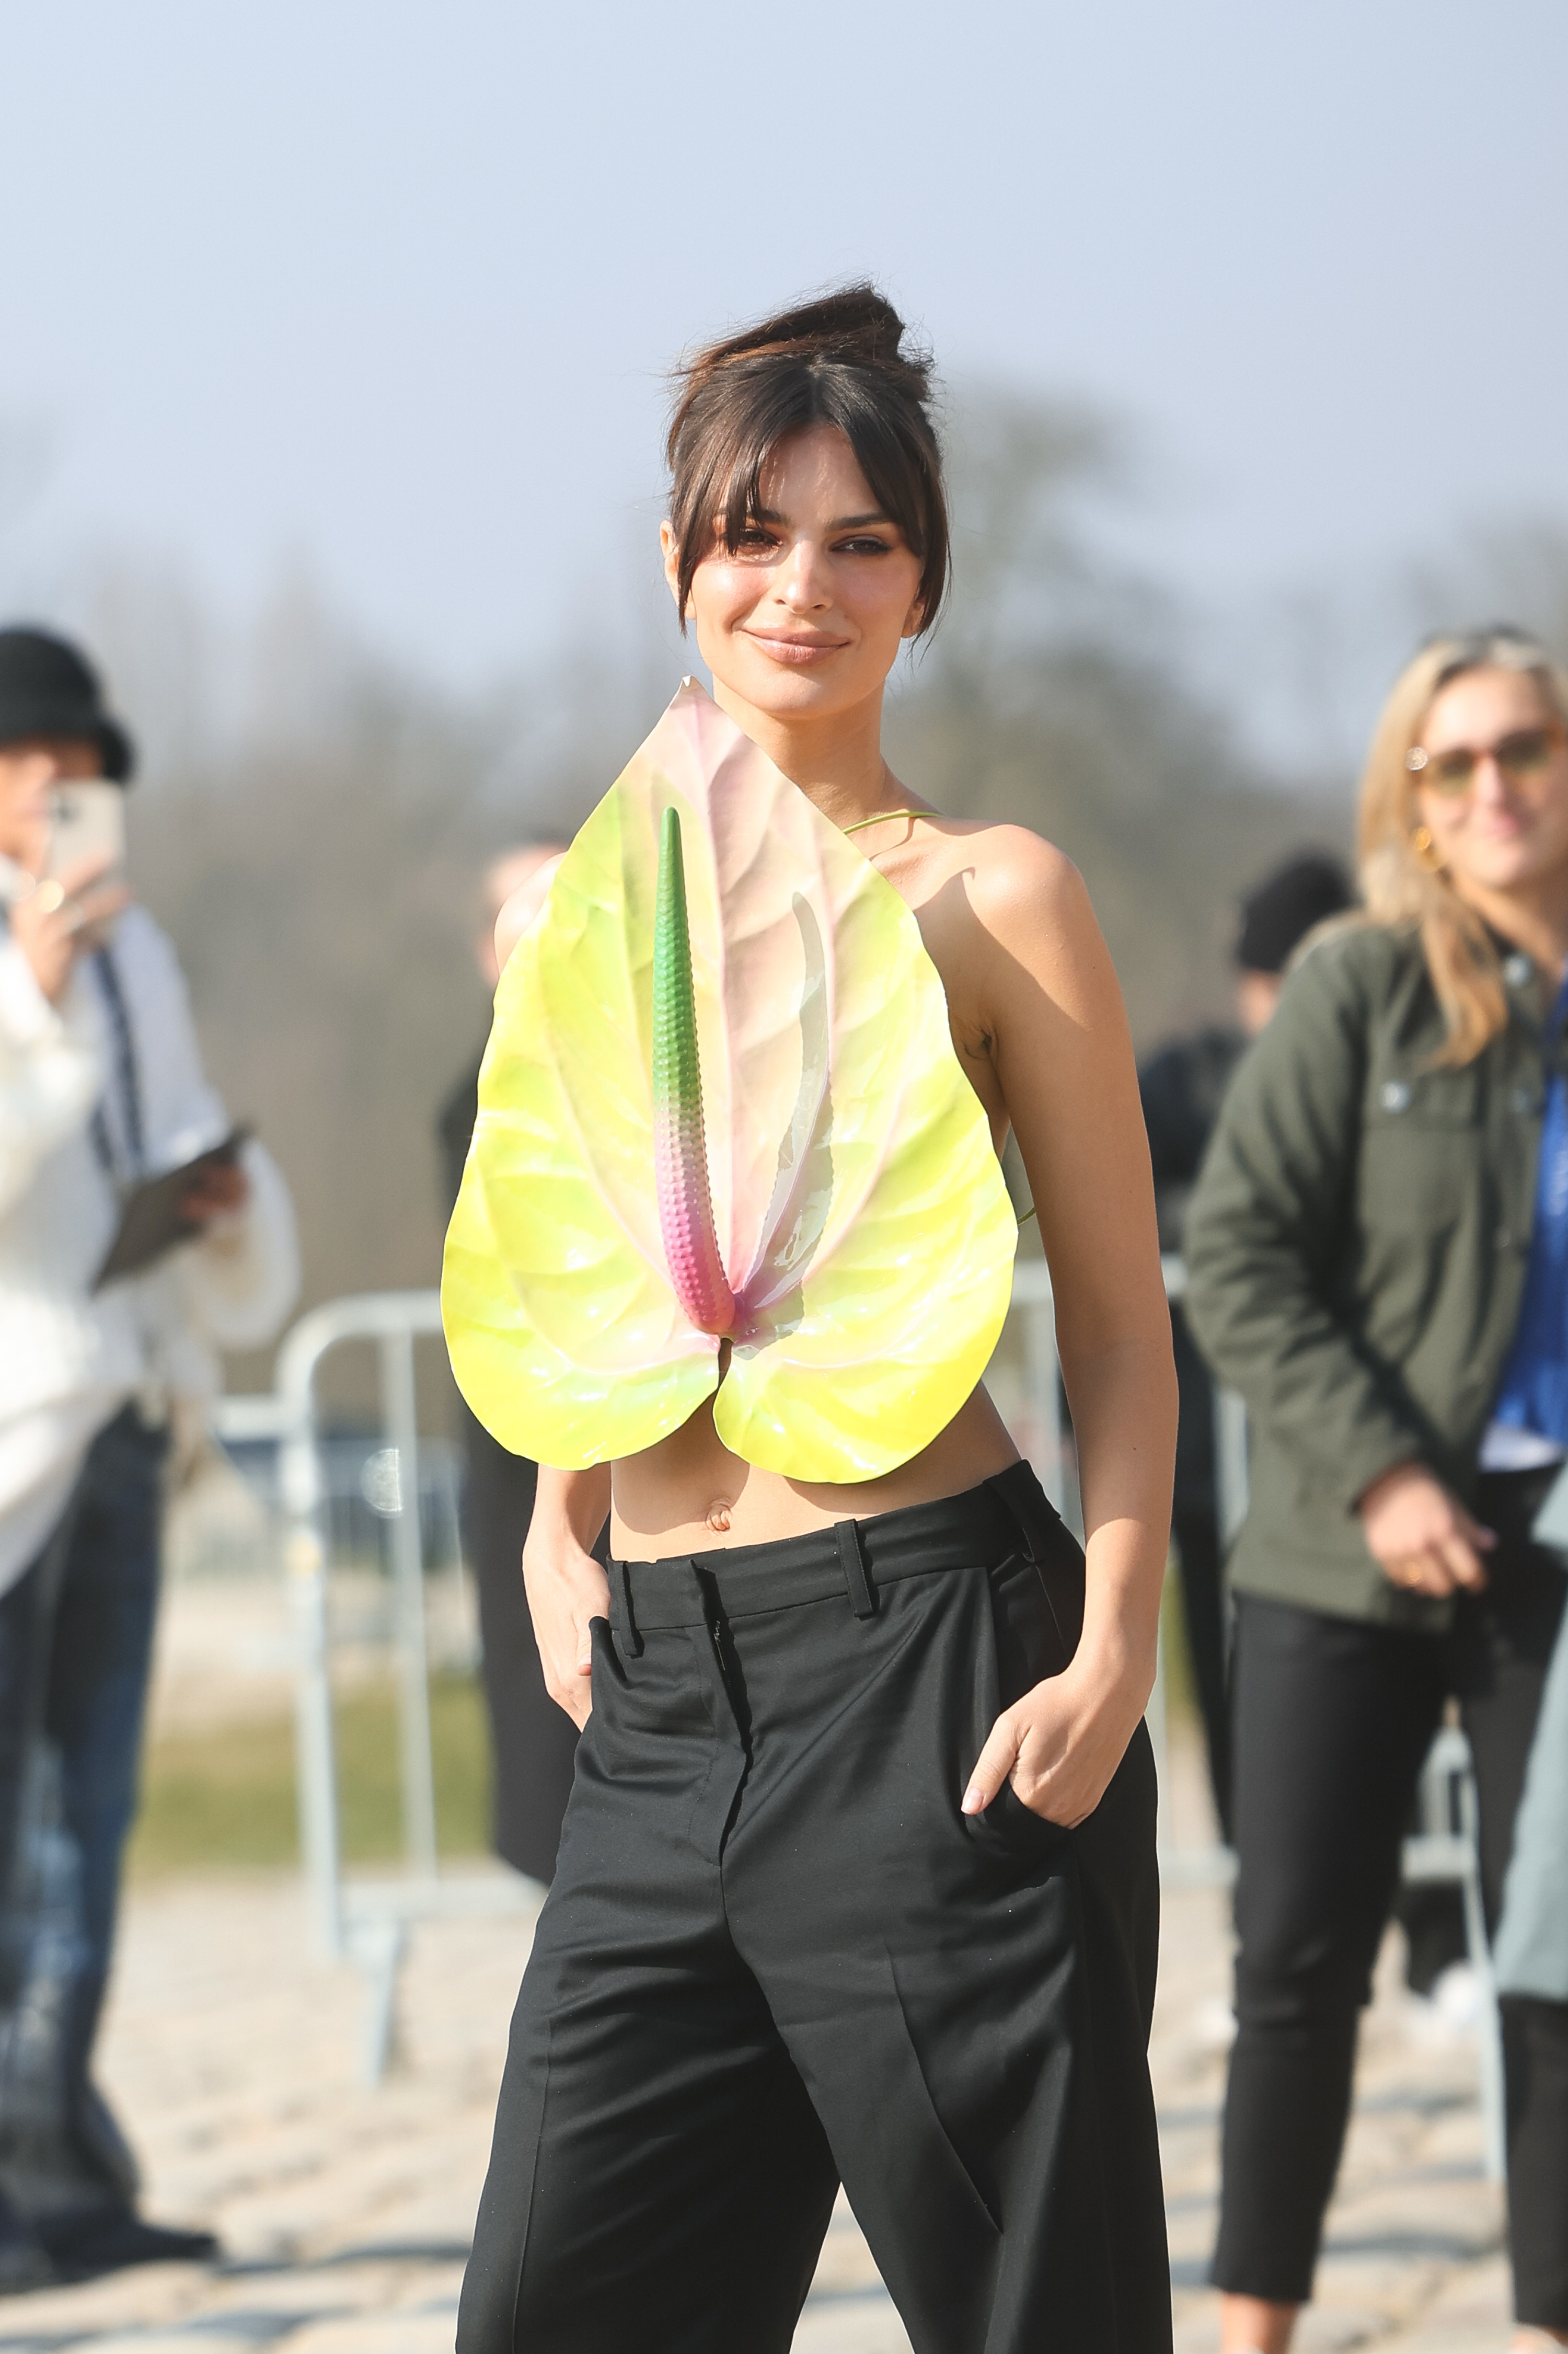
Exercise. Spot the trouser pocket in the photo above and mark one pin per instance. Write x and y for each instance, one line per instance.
(1026, 1647)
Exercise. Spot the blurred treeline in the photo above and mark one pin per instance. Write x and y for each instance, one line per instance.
(313, 820)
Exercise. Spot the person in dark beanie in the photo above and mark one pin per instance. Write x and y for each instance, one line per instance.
(1276, 917)
(101, 1088)
(1182, 1086)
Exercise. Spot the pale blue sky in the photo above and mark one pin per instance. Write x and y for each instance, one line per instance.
(392, 285)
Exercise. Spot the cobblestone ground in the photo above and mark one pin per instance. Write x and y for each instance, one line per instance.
(345, 2213)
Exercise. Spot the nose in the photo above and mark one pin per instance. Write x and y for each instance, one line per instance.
(803, 585)
(1488, 784)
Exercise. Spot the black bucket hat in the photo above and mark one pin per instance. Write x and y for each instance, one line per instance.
(48, 689)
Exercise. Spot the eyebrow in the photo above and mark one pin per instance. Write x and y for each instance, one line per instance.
(839, 523)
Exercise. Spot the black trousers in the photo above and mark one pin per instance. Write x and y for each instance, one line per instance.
(776, 1955)
(1333, 1719)
(1195, 1526)
(533, 1742)
(1204, 1610)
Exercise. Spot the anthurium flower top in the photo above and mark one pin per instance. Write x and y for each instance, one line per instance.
(720, 1108)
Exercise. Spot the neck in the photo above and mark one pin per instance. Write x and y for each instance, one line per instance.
(836, 761)
(1534, 916)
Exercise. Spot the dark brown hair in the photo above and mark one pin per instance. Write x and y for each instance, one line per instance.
(835, 361)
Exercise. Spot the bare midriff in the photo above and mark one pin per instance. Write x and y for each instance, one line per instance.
(689, 1494)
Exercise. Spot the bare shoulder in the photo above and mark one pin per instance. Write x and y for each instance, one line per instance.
(1006, 918)
(1020, 891)
(1019, 875)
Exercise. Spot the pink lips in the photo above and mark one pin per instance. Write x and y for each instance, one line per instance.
(798, 649)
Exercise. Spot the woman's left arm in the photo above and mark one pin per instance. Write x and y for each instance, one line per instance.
(1059, 1042)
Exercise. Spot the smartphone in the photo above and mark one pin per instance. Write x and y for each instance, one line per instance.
(88, 821)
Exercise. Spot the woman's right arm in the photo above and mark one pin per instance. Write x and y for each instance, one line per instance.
(567, 1586)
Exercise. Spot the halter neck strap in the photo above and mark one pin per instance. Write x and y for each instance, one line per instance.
(883, 817)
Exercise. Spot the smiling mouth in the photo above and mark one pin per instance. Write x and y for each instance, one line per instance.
(797, 650)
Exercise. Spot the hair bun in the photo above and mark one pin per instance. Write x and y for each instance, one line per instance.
(855, 326)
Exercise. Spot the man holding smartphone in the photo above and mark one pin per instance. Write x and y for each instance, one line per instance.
(101, 1090)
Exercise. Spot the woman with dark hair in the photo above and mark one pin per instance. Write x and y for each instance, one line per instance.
(1378, 1260)
(857, 1878)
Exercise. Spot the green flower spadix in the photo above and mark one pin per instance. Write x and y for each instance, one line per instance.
(680, 1146)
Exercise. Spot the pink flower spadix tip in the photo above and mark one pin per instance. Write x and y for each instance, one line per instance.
(680, 1144)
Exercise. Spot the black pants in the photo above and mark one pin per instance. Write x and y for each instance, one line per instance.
(1333, 1719)
(1203, 1610)
(533, 1742)
(776, 1953)
(1195, 1526)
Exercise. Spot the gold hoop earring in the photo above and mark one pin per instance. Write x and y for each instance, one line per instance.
(1427, 849)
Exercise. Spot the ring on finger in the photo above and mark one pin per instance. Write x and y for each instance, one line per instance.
(49, 896)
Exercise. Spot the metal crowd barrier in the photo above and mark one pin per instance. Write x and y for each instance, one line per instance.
(1447, 1848)
(365, 1917)
(368, 1919)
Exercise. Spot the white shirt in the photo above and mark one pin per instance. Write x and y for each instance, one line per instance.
(70, 1358)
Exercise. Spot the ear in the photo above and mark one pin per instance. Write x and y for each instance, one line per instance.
(912, 618)
(671, 552)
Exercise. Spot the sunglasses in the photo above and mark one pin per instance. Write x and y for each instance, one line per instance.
(1522, 755)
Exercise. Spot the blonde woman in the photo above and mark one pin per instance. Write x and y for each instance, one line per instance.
(1379, 1261)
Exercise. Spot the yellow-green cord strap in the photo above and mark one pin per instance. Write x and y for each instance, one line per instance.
(882, 817)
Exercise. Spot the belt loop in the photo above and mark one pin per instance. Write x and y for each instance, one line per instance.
(622, 1577)
(862, 1599)
(1021, 1526)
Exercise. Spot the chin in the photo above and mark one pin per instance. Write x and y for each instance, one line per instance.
(789, 693)
(1515, 873)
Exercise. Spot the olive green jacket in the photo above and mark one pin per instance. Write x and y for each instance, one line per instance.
(1356, 1250)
